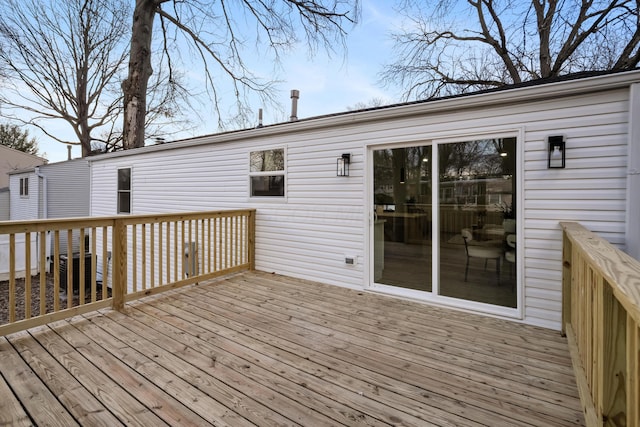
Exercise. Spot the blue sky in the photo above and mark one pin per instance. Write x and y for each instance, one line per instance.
(327, 84)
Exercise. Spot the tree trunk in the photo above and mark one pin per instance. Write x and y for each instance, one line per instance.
(82, 128)
(135, 86)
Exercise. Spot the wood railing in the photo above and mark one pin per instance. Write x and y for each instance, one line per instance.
(57, 268)
(601, 317)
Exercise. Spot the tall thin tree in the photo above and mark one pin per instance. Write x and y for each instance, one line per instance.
(64, 61)
(217, 33)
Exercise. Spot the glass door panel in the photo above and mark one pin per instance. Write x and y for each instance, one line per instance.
(477, 193)
(403, 220)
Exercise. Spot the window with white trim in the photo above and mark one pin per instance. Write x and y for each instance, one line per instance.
(124, 190)
(24, 187)
(266, 173)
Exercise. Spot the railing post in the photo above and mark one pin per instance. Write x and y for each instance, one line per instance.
(12, 277)
(252, 240)
(566, 282)
(602, 321)
(614, 351)
(633, 373)
(119, 270)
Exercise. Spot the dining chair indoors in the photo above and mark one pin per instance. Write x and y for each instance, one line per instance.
(478, 250)
(510, 253)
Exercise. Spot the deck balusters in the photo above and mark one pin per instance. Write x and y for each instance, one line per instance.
(123, 257)
(601, 317)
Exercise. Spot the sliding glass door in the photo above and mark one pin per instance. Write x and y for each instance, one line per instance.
(472, 240)
(403, 225)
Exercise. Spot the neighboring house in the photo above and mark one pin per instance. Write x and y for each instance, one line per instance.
(413, 178)
(11, 160)
(25, 194)
(54, 190)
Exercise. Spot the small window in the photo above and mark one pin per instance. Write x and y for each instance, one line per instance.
(266, 173)
(24, 187)
(124, 190)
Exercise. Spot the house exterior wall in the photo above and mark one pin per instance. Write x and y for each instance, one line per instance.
(67, 194)
(24, 207)
(325, 217)
(20, 207)
(56, 190)
(67, 188)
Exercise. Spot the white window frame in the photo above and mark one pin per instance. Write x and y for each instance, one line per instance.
(282, 173)
(24, 187)
(440, 138)
(119, 191)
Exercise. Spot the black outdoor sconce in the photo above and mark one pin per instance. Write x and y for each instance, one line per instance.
(557, 152)
(342, 168)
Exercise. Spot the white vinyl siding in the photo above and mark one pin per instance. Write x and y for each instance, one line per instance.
(325, 218)
(322, 216)
(68, 188)
(66, 184)
(21, 207)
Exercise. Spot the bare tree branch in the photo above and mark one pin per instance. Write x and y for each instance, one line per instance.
(217, 33)
(64, 60)
(511, 41)
(62, 56)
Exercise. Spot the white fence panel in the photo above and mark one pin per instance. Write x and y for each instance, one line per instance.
(20, 255)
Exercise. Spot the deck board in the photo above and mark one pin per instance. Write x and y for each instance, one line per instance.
(460, 372)
(17, 385)
(93, 346)
(428, 338)
(83, 406)
(213, 397)
(263, 349)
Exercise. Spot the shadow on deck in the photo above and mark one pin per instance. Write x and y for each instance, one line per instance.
(262, 349)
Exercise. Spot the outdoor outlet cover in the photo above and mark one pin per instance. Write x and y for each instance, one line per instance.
(350, 260)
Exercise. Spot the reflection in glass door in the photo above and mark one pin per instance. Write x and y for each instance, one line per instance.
(476, 231)
(477, 188)
(403, 227)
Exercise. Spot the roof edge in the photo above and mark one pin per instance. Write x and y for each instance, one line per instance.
(526, 92)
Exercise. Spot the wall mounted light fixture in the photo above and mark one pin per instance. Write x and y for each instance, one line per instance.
(556, 152)
(343, 162)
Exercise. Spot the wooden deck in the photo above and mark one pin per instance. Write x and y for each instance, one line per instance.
(262, 349)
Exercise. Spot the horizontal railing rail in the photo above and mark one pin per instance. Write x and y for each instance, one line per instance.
(57, 268)
(601, 317)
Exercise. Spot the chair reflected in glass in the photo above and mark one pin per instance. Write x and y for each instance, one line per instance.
(475, 249)
(510, 253)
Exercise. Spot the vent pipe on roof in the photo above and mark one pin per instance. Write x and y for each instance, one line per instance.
(259, 118)
(68, 152)
(295, 94)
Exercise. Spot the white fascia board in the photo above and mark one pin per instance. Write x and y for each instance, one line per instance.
(633, 177)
